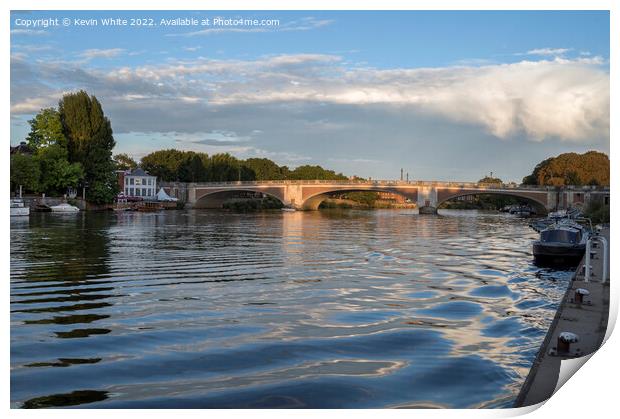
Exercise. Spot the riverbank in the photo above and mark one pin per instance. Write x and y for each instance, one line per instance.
(588, 320)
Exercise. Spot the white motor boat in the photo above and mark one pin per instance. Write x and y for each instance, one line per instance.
(64, 207)
(18, 208)
(287, 209)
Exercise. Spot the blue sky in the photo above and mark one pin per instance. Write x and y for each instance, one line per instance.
(446, 95)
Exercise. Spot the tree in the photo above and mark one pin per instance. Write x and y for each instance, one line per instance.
(571, 169)
(192, 168)
(308, 172)
(90, 143)
(56, 173)
(224, 167)
(164, 164)
(265, 169)
(490, 180)
(124, 162)
(25, 172)
(45, 130)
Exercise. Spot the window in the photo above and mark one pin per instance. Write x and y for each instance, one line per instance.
(126, 181)
(562, 236)
(126, 191)
(131, 181)
(130, 191)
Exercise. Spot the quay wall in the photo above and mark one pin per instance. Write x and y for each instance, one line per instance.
(588, 320)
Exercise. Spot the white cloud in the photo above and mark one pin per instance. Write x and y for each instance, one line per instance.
(548, 51)
(566, 99)
(30, 32)
(89, 54)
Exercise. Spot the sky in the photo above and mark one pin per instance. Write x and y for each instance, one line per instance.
(443, 95)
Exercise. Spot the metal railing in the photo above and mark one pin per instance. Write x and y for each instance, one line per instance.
(589, 253)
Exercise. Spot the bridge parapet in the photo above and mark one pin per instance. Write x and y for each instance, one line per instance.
(298, 193)
(384, 182)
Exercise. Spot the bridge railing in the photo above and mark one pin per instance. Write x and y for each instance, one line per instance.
(364, 182)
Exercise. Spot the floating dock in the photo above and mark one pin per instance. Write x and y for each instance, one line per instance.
(578, 328)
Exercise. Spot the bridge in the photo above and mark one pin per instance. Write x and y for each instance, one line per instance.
(428, 195)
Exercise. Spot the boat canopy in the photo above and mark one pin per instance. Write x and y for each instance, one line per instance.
(163, 196)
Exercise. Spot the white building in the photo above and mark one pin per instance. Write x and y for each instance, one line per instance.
(139, 183)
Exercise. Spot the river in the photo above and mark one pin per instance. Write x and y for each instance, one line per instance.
(322, 309)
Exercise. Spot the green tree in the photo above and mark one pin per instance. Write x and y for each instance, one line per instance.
(265, 169)
(56, 173)
(192, 168)
(25, 172)
(90, 143)
(124, 162)
(164, 164)
(45, 130)
(224, 167)
(490, 180)
(308, 172)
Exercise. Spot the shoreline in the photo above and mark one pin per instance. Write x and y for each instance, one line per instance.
(588, 320)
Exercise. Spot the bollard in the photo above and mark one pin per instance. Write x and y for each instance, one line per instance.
(564, 341)
(579, 294)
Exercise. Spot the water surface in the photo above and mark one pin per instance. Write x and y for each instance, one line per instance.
(324, 309)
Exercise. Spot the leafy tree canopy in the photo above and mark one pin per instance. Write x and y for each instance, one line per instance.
(591, 168)
(25, 172)
(188, 166)
(46, 130)
(124, 162)
(56, 173)
(490, 180)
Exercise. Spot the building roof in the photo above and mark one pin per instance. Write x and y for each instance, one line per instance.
(22, 148)
(138, 172)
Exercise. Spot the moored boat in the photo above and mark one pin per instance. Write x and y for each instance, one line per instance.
(563, 243)
(18, 208)
(554, 217)
(287, 209)
(64, 207)
(42, 208)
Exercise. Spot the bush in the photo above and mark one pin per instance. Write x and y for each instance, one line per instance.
(597, 211)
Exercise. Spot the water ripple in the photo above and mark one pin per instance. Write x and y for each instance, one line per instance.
(317, 309)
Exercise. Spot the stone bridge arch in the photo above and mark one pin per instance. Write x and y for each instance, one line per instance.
(313, 196)
(215, 198)
(538, 199)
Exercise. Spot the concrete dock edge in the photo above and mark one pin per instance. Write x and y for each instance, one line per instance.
(588, 320)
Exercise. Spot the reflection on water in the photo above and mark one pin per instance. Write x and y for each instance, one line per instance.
(197, 309)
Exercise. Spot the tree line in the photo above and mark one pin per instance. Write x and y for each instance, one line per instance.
(189, 166)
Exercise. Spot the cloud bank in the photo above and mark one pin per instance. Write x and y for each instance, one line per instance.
(565, 99)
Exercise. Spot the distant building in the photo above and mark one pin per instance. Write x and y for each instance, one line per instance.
(392, 197)
(138, 183)
(22, 148)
